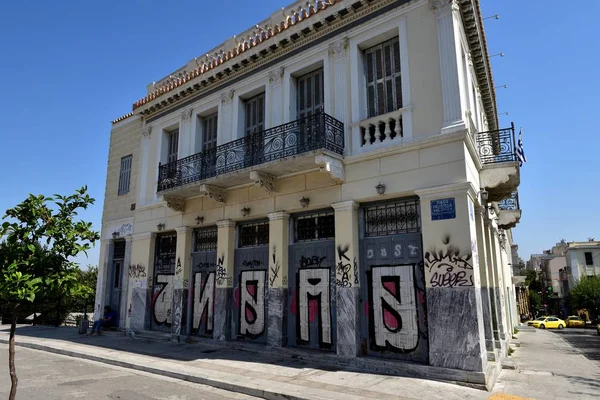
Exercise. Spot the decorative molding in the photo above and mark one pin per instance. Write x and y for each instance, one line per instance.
(276, 216)
(349, 205)
(147, 131)
(187, 114)
(227, 97)
(213, 192)
(276, 76)
(265, 181)
(331, 166)
(183, 230)
(439, 6)
(338, 49)
(175, 203)
(226, 223)
(508, 219)
(453, 189)
(144, 236)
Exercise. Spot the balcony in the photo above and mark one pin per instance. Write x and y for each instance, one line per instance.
(292, 147)
(509, 213)
(498, 155)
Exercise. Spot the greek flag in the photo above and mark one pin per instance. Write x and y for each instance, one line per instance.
(520, 151)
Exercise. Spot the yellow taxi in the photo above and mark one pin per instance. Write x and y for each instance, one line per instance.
(574, 321)
(549, 323)
(530, 323)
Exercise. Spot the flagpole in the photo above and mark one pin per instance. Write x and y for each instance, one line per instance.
(512, 126)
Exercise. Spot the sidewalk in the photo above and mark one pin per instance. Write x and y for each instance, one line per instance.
(278, 377)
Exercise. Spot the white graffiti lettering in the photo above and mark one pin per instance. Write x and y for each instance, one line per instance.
(397, 250)
(413, 249)
(370, 254)
(394, 307)
(252, 302)
(314, 285)
(383, 252)
(204, 300)
(163, 299)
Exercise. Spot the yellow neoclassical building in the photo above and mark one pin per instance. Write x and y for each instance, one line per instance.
(332, 181)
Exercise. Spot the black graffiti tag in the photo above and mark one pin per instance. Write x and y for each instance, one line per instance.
(221, 271)
(251, 264)
(310, 261)
(451, 268)
(274, 269)
(137, 271)
(343, 267)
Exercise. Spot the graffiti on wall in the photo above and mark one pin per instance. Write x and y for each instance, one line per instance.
(275, 268)
(204, 301)
(313, 296)
(137, 271)
(222, 277)
(449, 268)
(393, 317)
(343, 268)
(162, 300)
(252, 302)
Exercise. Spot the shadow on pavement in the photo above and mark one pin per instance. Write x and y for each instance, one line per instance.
(175, 351)
(586, 341)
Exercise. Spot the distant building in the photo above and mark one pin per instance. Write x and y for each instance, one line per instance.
(583, 259)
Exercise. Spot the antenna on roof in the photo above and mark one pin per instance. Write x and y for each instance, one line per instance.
(499, 54)
(501, 86)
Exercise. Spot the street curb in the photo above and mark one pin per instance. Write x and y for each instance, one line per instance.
(232, 387)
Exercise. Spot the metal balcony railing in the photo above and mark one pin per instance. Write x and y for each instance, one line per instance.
(497, 146)
(511, 203)
(317, 131)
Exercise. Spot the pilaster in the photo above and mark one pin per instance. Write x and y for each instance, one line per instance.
(140, 271)
(278, 278)
(181, 280)
(347, 279)
(103, 268)
(452, 278)
(224, 279)
(339, 61)
(125, 283)
(448, 22)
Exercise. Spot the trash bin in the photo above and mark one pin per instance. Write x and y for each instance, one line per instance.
(83, 326)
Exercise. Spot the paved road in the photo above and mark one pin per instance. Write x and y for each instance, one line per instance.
(47, 376)
(586, 341)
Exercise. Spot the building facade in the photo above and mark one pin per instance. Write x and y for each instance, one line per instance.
(332, 180)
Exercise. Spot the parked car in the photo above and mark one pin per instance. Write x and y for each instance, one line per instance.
(549, 323)
(574, 321)
(530, 323)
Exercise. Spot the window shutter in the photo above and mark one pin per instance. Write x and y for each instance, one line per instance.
(125, 175)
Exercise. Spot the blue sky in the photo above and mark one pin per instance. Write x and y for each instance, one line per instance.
(70, 67)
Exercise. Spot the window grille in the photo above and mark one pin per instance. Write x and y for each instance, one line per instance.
(119, 250)
(393, 218)
(205, 239)
(320, 226)
(125, 175)
(384, 78)
(254, 234)
(166, 244)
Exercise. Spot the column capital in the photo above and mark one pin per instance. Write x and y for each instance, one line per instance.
(440, 6)
(226, 223)
(128, 238)
(276, 216)
(144, 236)
(349, 205)
(338, 49)
(448, 190)
(183, 230)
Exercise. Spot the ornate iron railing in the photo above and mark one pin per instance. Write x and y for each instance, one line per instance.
(511, 203)
(497, 146)
(318, 131)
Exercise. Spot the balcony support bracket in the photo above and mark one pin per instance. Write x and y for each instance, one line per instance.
(176, 204)
(212, 192)
(331, 166)
(265, 181)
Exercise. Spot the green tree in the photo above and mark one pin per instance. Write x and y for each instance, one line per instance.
(535, 301)
(49, 221)
(586, 294)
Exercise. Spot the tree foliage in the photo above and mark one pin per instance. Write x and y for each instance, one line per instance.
(535, 300)
(40, 239)
(586, 294)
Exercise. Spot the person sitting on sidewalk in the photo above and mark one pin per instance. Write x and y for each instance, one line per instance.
(108, 321)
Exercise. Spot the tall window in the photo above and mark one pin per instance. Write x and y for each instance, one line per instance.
(384, 81)
(310, 93)
(125, 175)
(173, 144)
(255, 115)
(209, 137)
(589, 260)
